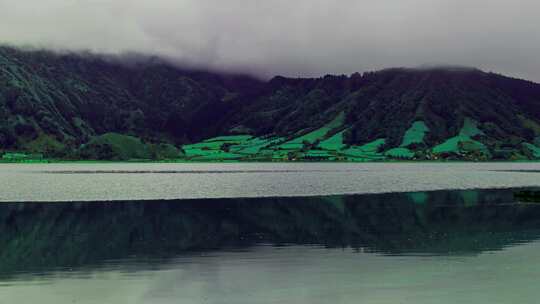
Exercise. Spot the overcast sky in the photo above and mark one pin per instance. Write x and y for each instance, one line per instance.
(290, 37)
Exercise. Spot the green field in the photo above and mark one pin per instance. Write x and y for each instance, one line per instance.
(366, 152)
(534, 150)
(316, 135)
(401, 153)
(333, 143)
(415, 134)
(324, 144)
(463, 142)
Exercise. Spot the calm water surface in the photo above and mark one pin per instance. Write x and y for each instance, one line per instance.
(300, 275)
(93, 182)
(251, 237)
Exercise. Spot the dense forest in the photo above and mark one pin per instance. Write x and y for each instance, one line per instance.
(87, 106)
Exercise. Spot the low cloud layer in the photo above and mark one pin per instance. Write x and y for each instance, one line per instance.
(294, 38)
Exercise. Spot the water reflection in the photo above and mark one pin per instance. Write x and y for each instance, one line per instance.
(43, 237)
(423, 247)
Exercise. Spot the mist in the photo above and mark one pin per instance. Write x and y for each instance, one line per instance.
(290, 38)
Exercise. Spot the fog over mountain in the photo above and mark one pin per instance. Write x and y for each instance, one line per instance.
(95, 107)
(292, 38)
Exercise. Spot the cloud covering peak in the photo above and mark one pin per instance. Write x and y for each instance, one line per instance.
(293, 38)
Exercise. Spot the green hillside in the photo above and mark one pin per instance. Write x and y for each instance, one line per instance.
(73, 106)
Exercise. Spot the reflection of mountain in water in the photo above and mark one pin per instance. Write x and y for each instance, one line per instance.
(43, 236)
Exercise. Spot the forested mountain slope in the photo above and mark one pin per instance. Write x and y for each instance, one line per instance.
(95, 107)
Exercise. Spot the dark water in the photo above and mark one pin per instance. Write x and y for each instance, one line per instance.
(473, 246)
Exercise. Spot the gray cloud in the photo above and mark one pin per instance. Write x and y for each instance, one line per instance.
(295, 38)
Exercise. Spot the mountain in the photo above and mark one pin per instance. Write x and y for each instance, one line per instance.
(97, 107)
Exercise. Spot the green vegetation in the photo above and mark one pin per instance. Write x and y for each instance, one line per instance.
(413, 137)
(113, 146)
(470, 128)
(530, 124)
(415, 134)
(532, 150)
(227, 148)
(314, 136)
(45, 144)
(463, 143)
(74, 107)
(254, 146)
(218, 156)
(367, 152)
(334, 142)
(163, 151)
(319, 155)
(229, 139)
(14, 157)
(309, 147)
(399, 153)
(458, 144)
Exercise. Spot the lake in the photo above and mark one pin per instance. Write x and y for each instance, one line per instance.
(269, 233)
(99, 182)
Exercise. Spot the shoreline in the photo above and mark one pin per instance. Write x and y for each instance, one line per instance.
(140, 161)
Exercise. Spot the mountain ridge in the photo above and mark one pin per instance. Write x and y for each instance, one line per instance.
(62, 106)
